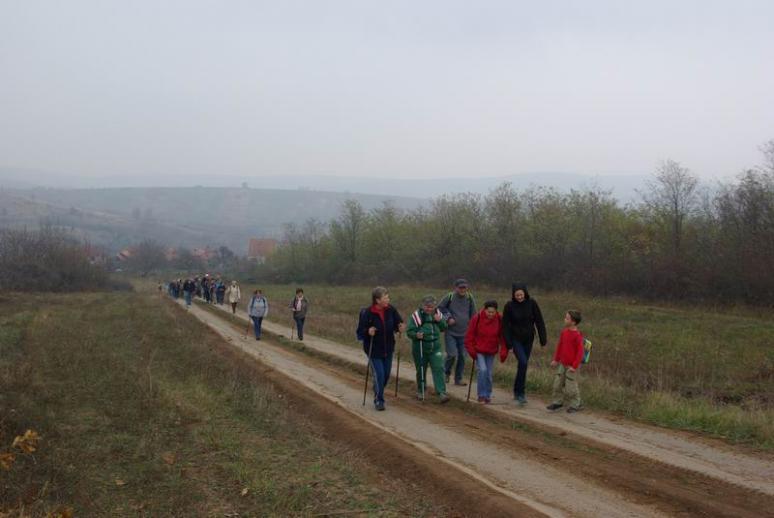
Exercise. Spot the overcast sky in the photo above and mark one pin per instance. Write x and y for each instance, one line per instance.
(405, 88)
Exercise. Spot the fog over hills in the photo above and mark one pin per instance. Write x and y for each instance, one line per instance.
(622, 186)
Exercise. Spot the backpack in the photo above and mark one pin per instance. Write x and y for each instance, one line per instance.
(586, 350)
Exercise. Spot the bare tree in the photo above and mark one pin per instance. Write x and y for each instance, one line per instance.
(673, 197)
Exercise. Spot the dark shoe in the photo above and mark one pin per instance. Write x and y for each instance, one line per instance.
(379, 405)
(554, 406)
(482, 400)
(444, 398)
(460, 383)
(573, 409)
(487, 400)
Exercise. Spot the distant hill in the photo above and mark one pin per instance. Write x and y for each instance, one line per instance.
(190, 216)
(622, 186)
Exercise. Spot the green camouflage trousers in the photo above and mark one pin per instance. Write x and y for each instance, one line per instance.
(566, 386)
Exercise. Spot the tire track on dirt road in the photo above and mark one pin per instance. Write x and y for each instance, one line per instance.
(674, 448)
(544, 488)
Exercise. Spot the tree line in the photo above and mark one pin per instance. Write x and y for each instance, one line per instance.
(678, 241)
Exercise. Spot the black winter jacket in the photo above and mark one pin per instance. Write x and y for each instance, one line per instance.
(521, 318)
(384, 339)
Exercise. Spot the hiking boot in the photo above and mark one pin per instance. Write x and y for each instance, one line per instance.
(554, 406)
(573, 409)
(379, 405)
(444, 398)
(460, 383)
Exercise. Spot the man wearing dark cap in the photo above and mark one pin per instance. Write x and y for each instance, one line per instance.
(458, 307)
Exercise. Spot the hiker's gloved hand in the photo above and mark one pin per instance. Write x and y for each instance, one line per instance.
(420, 335)
(371, 331)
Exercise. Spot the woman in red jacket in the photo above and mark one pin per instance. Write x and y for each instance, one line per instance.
(483, 340)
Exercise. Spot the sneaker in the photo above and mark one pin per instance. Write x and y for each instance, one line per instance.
(444, 398)
(554, 406)
(573, 409)
(379, 405)
(460, 383)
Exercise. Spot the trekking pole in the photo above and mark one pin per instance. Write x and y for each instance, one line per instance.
(368, 369)
(247, 330)
(470, 385)
(397, 372)
(291, 329)
(422, 368)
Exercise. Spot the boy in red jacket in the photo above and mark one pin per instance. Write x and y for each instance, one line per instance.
(569, 353)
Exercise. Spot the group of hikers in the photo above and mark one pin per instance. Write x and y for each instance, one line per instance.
(482, 334)
(454, 323)
(212, 290)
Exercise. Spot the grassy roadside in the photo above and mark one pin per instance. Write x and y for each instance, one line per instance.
(687, 368)
(139, 414)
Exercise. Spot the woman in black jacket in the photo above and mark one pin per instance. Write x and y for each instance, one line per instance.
(376, 329)
(521, 316)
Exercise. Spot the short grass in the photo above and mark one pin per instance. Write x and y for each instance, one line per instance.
(692, 368)
(140, 415)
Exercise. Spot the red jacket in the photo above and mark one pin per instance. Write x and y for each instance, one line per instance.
(485, 335)
(569, 350)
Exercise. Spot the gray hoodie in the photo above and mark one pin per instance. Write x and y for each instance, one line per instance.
(461, 309)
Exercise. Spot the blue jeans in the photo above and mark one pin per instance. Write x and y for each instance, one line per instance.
(257, 321)
(485, 366)
(522, 352)
(380, 368)
(455, 349)
(187, 298)
(300, 327)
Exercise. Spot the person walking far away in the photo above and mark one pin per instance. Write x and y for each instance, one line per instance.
(567, 360)
(521, 316)
(234, 296)
(425, 327)
(376, 329)
(258, 309)
(220, 291)
(458, 307)
(188, 291)
(483, 341)
(299, 305)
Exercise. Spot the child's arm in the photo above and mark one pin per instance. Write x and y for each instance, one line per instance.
(578, 352)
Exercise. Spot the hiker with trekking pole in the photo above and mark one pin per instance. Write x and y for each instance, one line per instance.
(258, 309)
(425, 327)
(376, 329)
(458, 307)
(483, 341)
(299, 305)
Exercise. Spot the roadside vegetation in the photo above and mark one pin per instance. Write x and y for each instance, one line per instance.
(133, 409)
(680, 242)
(698, 369)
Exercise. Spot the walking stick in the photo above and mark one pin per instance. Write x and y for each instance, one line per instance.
(422, 368)
(248, 328)
(397, 372)
(470, 385)
(368, 369)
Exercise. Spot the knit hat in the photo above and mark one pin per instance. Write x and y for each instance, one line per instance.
(428, 299)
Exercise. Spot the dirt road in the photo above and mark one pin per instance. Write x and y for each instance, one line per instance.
(628, 470)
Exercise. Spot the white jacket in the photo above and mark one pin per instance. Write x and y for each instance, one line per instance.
(234, 295)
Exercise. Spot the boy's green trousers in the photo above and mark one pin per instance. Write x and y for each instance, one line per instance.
(432, 356)
(566, 386)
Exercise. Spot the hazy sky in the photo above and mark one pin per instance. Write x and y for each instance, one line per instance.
(407, 88)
